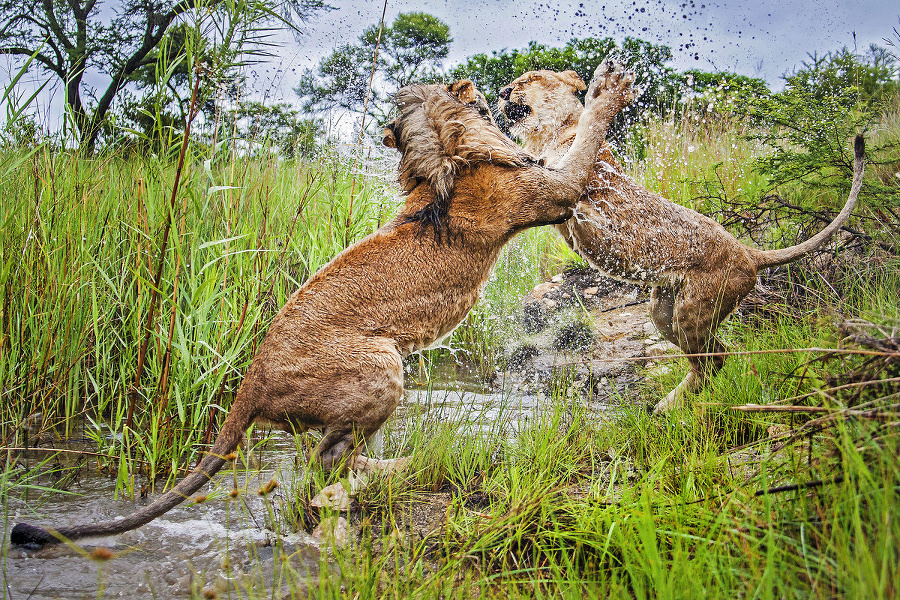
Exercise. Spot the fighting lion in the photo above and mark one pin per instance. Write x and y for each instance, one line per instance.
(698, 271)
(333, 356)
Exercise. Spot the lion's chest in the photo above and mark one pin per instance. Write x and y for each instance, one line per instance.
(430, 319)
(396, 286)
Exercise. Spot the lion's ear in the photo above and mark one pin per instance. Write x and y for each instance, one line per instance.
(387, 137)
(463, 90)
(572, 78)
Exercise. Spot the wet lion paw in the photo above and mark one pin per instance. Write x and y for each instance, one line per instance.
(612, 86)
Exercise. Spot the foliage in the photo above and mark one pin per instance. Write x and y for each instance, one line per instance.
(279, 125)
(154, 109)
(79, 247)
(72, 40)
(875, 74)
(809, 125)
(567, 502)
(409, 50)
(719, 93)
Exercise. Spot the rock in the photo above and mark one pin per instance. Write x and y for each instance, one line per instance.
(333, 529)
(534, 317)
(334, 496)
(521, 355)
(575, 336)
(578, 321)
(660, 348)
(542, 289)
(338, 496)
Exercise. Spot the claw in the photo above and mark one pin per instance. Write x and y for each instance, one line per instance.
(611, 77)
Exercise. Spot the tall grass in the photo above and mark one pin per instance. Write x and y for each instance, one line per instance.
(685, 155)
(80, 244)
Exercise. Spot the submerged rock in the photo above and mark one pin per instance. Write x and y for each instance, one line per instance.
(582, 327)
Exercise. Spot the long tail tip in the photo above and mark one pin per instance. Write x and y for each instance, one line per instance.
(31, 537)
(859, 146)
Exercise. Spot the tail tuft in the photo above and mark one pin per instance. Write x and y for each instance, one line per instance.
(859, 146)
(31, 537)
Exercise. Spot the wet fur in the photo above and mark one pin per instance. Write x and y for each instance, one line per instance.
(699, 271)
(333, 356)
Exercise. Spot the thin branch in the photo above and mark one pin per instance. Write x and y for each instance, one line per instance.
(40, 57)
(875, 413)
(661, 357)
(55, 27)
(800, 486)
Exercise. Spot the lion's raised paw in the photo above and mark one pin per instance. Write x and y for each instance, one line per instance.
(612, 85)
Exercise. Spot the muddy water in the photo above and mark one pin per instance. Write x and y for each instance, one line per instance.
(223, 544)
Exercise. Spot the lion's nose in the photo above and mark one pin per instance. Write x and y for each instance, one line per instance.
(505, 92)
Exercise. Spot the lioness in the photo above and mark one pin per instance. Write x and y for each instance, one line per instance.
(333, 356)
(698, 271)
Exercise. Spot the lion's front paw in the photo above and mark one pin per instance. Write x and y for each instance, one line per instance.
(611, 87)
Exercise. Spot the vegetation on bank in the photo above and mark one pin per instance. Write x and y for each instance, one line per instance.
(794, 498)
(710, 500)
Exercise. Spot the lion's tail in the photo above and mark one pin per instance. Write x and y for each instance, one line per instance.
(31, 536)
(771, 258)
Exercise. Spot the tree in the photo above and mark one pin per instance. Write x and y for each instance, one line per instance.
(873, 74)
(279, 125)
(720, 93)
(411, 49)
(808, 127)
(69, 39)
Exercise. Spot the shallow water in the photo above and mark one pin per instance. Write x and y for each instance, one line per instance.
(223, 544)
(220, 544)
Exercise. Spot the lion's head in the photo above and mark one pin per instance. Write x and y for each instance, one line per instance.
(541, 100)
(441, 130)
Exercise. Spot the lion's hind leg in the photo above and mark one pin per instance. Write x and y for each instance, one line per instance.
(700, 306)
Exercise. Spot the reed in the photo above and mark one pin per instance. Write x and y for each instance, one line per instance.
(80, 249)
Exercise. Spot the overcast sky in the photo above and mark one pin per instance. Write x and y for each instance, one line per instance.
(763, 38)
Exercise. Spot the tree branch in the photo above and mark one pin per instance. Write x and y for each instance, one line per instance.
(38, 56)
(53, 25)
(150, 41)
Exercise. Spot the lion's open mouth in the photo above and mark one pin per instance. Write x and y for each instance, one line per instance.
(516, 112)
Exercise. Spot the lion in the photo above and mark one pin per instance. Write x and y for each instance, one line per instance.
(332, 358)
(698, 271)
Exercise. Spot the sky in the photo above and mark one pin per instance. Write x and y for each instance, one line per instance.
(761, 38)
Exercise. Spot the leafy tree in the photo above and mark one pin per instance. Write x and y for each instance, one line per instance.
(873, 74)
(279, 125)
(154, 108)
(718, 93)
(809, 125)
(411, 49)
(69, 39)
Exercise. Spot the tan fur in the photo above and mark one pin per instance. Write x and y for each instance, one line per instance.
(699, 271)
(333, 356)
